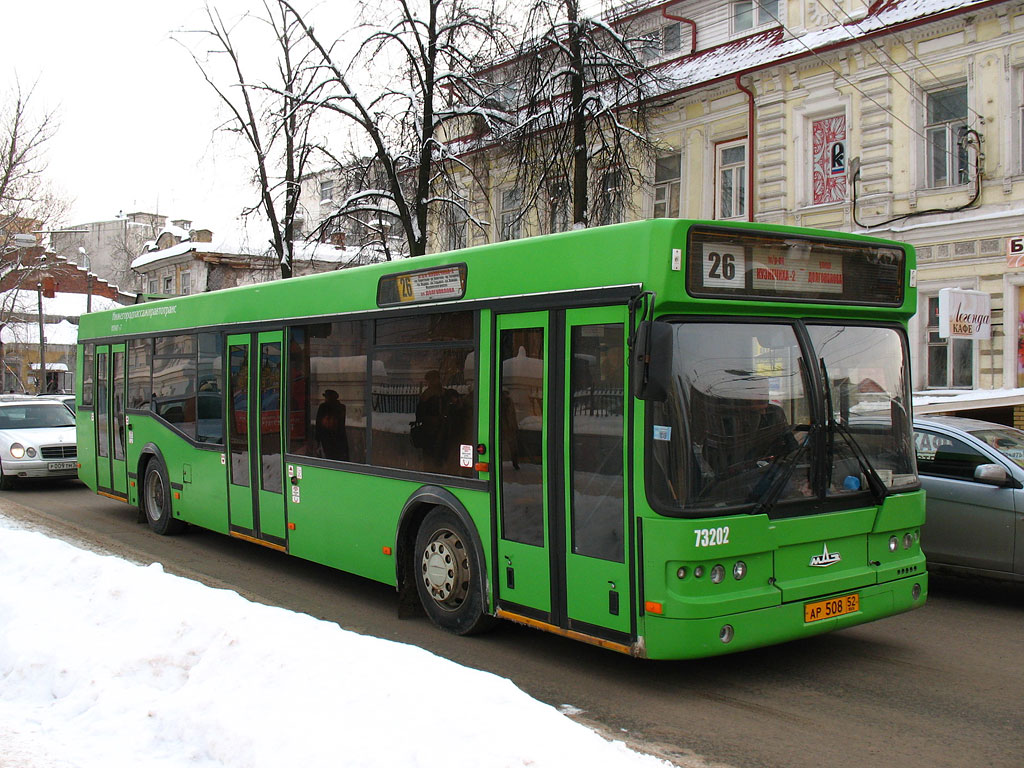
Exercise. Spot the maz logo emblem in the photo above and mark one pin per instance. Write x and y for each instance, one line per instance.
(826, 558)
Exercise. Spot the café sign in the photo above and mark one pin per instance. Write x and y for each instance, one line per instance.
(964, 314)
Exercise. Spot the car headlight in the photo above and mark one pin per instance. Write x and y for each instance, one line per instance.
(17, 450)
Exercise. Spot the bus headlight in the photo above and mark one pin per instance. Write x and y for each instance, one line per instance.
(717, 574)
(17, 450)
(894, 543)
(908, 540)
(726, 633)
(739, 570)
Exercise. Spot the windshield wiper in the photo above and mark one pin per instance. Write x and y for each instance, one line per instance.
(781, 472)
(834, 425)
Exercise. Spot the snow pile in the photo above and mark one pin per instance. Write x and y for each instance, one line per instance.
(104, 663)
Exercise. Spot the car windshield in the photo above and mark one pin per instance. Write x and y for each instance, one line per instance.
(743, 425)
(35, 416)
(1009, 442)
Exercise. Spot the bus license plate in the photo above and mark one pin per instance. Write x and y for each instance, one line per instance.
(57, 466)
(829, 609)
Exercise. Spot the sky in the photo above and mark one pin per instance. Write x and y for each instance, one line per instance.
(137, 121)
(111, 664)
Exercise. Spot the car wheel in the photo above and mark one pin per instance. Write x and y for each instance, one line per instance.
(156, 500)
(448, 575)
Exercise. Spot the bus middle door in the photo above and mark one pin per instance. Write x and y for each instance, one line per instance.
(254, 437)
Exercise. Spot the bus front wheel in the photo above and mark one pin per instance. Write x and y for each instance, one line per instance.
(156, 499)
(448, 574)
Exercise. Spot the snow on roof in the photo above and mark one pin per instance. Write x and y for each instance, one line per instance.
(61, 305)
(771, 46)
(186, 246)
(28, 333)
(944, 400)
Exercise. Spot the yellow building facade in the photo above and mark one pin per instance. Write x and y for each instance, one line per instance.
(897, 118)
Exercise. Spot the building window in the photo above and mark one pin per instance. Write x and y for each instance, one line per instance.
(559, 217)
(667, 185)
(186, 283)
(456, 235)
(946, 130)
(510, 215)
(610, 205)
(326, 190)
(748, 14)
(154, 285)
(662, 42)
(732, 179)
(828, 162)
(169, 284)
(950, 361)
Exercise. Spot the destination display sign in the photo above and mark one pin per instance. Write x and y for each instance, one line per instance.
(423, 285)
(747, 264)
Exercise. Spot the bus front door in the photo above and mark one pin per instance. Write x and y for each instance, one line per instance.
(111, 467)
(254, 436)
(563, 532)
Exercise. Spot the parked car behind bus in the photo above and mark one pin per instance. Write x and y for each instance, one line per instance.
(973, 474)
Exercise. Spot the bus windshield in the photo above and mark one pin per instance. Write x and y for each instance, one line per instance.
(778, 412)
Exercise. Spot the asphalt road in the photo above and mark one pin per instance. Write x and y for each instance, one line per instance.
(940, 686)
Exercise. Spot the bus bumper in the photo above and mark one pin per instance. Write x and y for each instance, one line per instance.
(667, 638)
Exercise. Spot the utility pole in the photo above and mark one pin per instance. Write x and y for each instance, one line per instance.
(42, 342)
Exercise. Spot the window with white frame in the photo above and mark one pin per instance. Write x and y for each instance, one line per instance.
(559, 217)
(731, 201)
(326, 190)
(667, 185)
(154, 285)
(510, 215)
(748, 14)
(186, 283)
(950, 361)
(169, 284)
(945, 131)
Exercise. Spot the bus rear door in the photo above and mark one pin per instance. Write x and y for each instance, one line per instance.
(111, 468)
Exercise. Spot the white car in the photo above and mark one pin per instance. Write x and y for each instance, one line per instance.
(37, 439)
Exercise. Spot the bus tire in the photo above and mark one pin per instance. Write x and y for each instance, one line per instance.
(448, 574)
(156, 499)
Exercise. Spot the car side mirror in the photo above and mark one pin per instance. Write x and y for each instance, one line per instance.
(991, 474)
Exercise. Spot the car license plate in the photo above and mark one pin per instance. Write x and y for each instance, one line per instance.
(829, 609)
(57, 466)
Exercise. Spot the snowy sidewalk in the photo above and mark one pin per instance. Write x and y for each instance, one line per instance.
(107, 664)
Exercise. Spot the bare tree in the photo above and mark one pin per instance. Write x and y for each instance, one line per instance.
(27, 203)
(273, 117)
(412, 86)
(583, 92)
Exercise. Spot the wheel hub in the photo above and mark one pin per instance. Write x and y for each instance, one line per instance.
(445, 569)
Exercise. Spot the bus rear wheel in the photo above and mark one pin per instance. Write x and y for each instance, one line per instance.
(448, 575)
(156, 500)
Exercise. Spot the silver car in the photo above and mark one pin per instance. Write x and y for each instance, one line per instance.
(37, 439)
(973, 474)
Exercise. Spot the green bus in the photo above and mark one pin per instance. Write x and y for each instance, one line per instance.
(669, 438)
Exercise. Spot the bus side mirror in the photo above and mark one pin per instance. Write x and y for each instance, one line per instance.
(650, 373)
